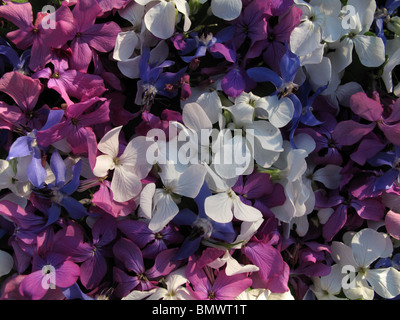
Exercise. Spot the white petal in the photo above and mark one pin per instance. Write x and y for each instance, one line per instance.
(133, 12)
(333, 282)
(329, 176)
(361, 289)
(242, 113)
(211, 103)
(319, 74)
(234, 267)
(143, 2)
(368, 245)
(109, 144)
(345, 91)
(342, 56)
(305, 142)
(190, 182)
(245, 212)
(332, 30)
(160, 20)
(219, 207)
(130, 68)
(296, 164)
(138, 295)
(269, 137)
(125, 185)
(146, 200)
(226, 9)
(125, 45)
(195, 118)
(366, 11)
(342, 254)
(165, 210)
(103, 164)
(386, 282)
(6, 263)
(280, 111)
(324, 214)
(305, 38)
(393, 61)
(370, 50)
(134, 157)
(183, 7)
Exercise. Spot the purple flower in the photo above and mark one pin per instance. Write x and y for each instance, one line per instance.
(42, 39)
(58, 193)
(129, 257)
(76, 126)
(151, 243)
(25, 92)
(50, 271)
(90, 36)
(92, 254)
(201, 227)
(207, 286)
(389, 159)
(71, 83)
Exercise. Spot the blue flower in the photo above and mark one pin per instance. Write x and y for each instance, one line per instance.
(201, 227)
(390, 159)
(382, 16)
(59, 192)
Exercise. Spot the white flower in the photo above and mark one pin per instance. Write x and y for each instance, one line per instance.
(6, 263)
(366, 247)
(176, 184)
(222, 206)
(320, 21)
(370, 49)
(327, 287)
(129, 167)
(292, 166)
(393, 51)
(174, 289)
(160, 19)
(226, 9)
(15, 179)
(264, 294)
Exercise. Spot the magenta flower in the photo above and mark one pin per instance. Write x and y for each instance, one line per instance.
(25, 92)
(49, 271)
(42, 39)
(89, 36)
(76, 126)
(207, 286)
(385, 117)
(130, 272)
(70, 242)
(71, 83)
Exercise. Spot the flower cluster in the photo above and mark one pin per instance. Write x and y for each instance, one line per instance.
(194, 149)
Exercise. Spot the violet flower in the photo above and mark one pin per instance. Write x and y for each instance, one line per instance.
(150, 243)
(389, 159)
(201, 227)
(71, 83)
(42, 39)
(207, 286)
(129, 257)
(50, 271)
(89, 36)
(58, 193)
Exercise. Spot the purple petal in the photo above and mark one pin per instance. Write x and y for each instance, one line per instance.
(129, 254)
(92, 271)
(233, 83)
(67, 274)
(163, 264)
(335, 222)
(349, 132)
(58, 167)
(101, 37)
(366, 107)
(136, 231)
(370, 209)
(31, 286)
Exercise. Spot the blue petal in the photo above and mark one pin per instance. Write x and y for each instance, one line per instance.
(224, 232)
(187, 248)
(261, 74)
(382, 159)
(53, 118)
(71, 186)
(20, 148)
(200, 198)
(386, 181)
(11, 56)
(36, 173)
(75, 293)
(53, 214)
(75, 209)
(289, 65)
(185, 217)
(58, 167)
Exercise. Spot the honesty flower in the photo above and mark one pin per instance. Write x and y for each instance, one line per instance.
(367, 245)
(129, 167)
(160, 19)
